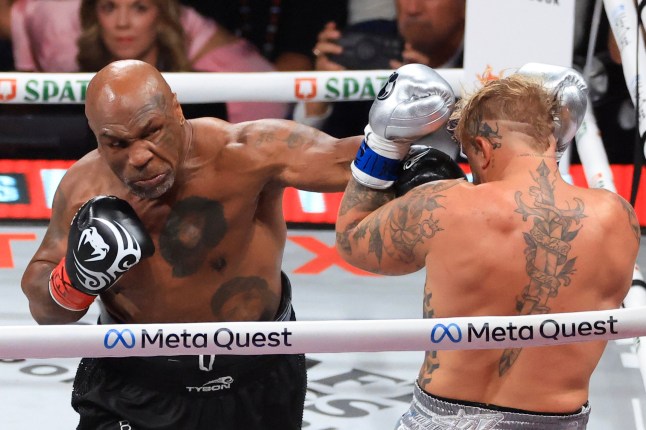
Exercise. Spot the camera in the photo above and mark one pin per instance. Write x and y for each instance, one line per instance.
(364, 50)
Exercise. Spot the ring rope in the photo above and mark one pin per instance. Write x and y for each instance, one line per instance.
(208, 87)
(296, 337)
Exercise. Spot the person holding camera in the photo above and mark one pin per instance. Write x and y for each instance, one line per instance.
(429, 33)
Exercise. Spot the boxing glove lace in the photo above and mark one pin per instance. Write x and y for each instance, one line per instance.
(106, 239)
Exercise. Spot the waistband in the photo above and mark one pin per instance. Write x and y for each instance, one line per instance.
(499, 418)
(199, 374)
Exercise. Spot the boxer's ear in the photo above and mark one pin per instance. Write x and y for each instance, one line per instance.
(177, 110)
(484, 151)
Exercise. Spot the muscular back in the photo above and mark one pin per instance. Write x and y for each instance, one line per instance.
(536, 247)
(531, 244)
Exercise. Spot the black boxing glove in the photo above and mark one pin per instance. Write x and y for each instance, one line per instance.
(106, 239)
(425, 164)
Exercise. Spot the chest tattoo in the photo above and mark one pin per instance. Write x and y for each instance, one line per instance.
(243, 299)
(194, 227)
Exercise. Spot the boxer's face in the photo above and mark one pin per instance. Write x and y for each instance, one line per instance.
(141, 142)
(129, 28)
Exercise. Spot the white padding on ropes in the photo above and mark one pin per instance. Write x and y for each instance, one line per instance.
(70, 88)
(295, 337)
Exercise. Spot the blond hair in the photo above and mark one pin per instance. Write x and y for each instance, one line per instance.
(518, 99)
(93, 55)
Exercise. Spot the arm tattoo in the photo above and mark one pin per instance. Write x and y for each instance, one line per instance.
(548, 263)
(194, 227)
(375, 242)
(412, 222)
(398, 230)
(301, 137)
(367, 200)
(264, 138)
(364, 198)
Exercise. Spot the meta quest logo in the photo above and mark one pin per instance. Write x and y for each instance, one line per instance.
(547, 329)
(223, 338)
(482, 333)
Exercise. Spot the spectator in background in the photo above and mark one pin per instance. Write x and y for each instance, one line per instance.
(148, 30)
(6, 57)
(432, 34)
(283, 31)
(178, 36)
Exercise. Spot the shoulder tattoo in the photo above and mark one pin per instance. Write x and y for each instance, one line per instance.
(632, 216)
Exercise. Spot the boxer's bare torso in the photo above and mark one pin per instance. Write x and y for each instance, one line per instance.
(555, 248)
(219, 232)
(534, 245)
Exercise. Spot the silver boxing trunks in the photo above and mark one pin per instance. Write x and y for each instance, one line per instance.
(431, 413)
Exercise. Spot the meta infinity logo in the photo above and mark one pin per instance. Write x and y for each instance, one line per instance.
(119, 337)
(452, 331)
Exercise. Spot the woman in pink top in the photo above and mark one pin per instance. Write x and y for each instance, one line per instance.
(47, 34)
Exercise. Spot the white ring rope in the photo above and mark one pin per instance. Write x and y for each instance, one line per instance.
(69, 88)
(295, 337)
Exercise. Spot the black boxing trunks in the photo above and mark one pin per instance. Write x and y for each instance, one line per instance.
(193, 392)
(434, 413)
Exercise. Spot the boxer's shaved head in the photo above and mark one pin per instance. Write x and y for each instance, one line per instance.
(138, 124)
(129, 85)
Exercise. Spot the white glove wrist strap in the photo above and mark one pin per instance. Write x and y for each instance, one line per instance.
(384, 147)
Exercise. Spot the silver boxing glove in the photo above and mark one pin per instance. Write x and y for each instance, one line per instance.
(414, 102)
(572, 91)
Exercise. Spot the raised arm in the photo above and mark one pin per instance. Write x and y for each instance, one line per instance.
(375, 232)
(295, 155)
(389, 232)
(80, 259)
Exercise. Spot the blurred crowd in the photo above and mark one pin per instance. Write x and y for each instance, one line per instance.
(264, 35)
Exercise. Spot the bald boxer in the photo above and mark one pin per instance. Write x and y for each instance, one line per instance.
(517, 241)
(175, 220)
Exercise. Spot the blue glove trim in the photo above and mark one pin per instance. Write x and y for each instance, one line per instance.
(375, 165)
